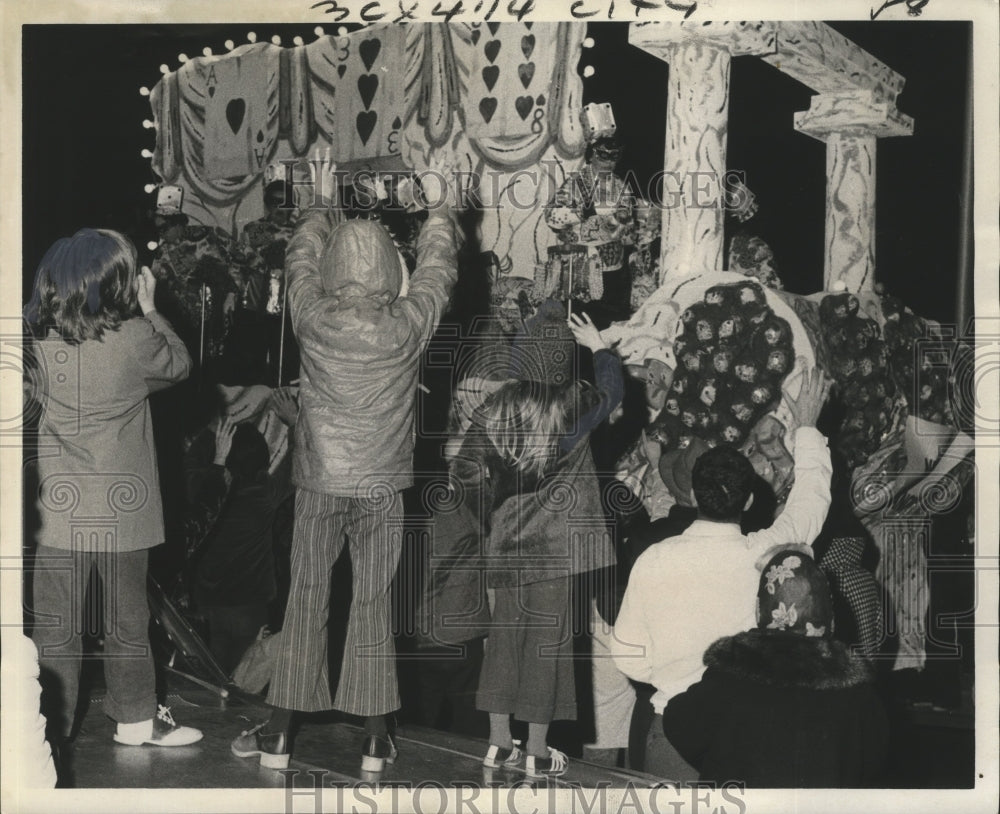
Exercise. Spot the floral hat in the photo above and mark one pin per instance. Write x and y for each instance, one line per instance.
(794, 596)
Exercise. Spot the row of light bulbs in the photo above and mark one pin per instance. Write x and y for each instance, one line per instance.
(588, 70)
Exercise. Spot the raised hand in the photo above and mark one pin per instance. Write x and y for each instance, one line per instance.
(145, 288)
(805, 408)
(284, 404)
(585, 332)
(224, 439)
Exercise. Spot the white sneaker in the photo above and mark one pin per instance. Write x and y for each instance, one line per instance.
(159, 731)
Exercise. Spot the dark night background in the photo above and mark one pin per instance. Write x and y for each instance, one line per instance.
(83, 136)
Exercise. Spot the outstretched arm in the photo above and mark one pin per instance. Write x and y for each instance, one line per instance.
(809, 499)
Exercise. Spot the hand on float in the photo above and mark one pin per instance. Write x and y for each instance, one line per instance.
(813, 392)
(438, 184)
(323, 170)
(285, 406)
(585, 332)
(145, 288)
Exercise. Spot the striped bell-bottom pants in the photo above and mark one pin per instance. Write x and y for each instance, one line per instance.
(374, 528)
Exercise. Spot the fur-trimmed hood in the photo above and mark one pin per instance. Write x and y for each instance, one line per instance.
(782, 659)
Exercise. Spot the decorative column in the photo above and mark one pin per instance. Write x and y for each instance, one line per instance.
(850, 122)
(694, 160)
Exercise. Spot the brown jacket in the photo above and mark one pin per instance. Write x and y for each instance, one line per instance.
(99, 489)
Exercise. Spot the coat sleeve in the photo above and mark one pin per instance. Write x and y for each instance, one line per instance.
(435, 274)
(809, 500)
(160, 353)
(611, 388)
(307, 301)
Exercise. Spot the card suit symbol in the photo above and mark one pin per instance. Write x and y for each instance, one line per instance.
(341, 70)
(235, 111)
(367, 85)
(526, 71)
(397, 123)
(493, 28)
(527, 45)
(540, 100)
(260, 136)
(487, 107)
(523, 105)
(492, 49)
(369, 52)
(211, 90)
(491, 73)
(528, 26)
(366, 124)
(476, 34)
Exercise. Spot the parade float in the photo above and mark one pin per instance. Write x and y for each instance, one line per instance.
(717, 341)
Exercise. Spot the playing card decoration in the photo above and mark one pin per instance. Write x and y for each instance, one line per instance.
(508, 85)
(241, 121)
(358, 92)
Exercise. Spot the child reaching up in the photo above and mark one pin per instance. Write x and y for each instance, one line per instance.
(527, 458)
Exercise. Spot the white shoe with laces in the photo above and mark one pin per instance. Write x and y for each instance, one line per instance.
(498, 756)
(159, 731)
(552, 766)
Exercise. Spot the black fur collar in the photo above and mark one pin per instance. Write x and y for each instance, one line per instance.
(783, 659)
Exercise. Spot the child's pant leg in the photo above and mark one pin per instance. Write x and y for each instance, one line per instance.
(59, 587)
(528, 667)
(128, 657)
(368, 683)
(301, 678)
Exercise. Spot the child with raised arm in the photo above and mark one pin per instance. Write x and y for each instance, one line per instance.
(99, 490)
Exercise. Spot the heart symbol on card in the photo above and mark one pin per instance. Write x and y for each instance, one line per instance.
(366, 124)
(491, 73)
(526, 71)
(235, 111)
(493, 28)
(487, 107)
(397, 123)
(367, 85)
(341, 70)
(527, 45)
(476, 34)
(523, 105)
(528, 26)
(540, 100)
(492, 49)
(369, 52)
(211, 90)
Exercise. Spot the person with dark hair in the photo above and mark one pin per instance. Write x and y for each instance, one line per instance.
(722, 480)
(689, 590)
(783, 705)
(100, 362)
(234, 552)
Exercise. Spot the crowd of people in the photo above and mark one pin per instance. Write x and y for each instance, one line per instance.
(714, 652)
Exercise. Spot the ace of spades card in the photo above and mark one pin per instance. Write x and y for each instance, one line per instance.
(509, 81)
(241, 112)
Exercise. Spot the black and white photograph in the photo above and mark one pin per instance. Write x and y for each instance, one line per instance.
(484, 406)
